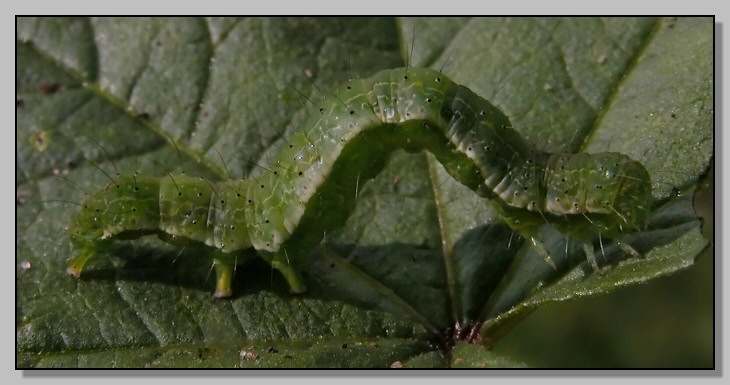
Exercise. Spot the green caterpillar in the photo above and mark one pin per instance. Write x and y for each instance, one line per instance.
(312, 187)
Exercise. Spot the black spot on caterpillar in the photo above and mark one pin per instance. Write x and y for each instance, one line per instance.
(312, 186)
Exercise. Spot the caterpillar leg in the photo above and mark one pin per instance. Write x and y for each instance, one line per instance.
(591, 256)
(224, 265)
(628, 249)
(540, 249)
(291, 275)
(77, 264)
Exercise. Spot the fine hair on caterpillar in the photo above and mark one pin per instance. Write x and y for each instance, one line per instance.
(312, 186)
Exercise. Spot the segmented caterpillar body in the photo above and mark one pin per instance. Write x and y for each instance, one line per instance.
(312, 187)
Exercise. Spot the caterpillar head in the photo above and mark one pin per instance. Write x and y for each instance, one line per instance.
(633, 198)
(617, 190)
(608, 190)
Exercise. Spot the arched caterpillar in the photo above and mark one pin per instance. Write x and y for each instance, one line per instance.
(312, 187)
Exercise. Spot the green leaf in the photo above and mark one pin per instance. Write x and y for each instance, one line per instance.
(420, 258)
(475, 356)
